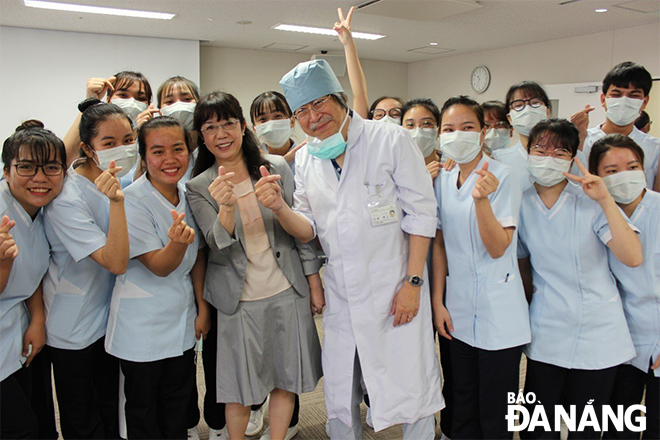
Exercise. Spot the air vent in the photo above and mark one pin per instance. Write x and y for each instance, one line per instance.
(284, 47)
(430, 50)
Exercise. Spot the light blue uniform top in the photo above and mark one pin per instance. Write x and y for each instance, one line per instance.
(485, 296)
(515, 156)
(576, 312)
(76, 288)
(292, 165)
(152, 317)
(640, 286)
(26, 273)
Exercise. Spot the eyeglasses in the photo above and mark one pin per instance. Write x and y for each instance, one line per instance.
(425, 123)
(211, 129)
(556, 153)
(379, 113)
(498, 124)
(303, 112)
(519, 104)
(29, 169)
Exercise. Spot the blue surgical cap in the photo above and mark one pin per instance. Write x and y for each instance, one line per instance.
(309, 81)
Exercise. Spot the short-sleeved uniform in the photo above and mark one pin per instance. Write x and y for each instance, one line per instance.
(26, 273)
(576, 313)
(152, 317)
(485, 296)
(640, 286)
(515, 156)
(76, 288)
(649, 144)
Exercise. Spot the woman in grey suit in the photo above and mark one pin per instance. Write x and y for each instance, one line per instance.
(257, 274)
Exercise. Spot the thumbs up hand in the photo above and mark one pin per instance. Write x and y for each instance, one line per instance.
(486, 183)
(268, 191)
(222, 189)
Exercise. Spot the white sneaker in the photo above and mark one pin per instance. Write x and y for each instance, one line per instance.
(193, 433)
(290, 433)
(370, 423)
(218, 434)
(327, 427)
(256, 423)
(444, 437)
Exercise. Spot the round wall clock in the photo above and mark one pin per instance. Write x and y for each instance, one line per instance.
(480, 79)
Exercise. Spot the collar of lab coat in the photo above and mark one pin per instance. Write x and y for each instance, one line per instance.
(355, 129)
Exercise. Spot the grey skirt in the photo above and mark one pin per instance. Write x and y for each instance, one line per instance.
(267, 344)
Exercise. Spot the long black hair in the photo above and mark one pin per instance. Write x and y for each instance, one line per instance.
(224, 106)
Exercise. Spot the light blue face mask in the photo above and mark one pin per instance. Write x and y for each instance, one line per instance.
(329, 148)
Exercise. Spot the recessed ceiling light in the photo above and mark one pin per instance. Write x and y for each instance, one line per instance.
(209, 19)
(97, 10)
(324, 31)
(601, 10)
(433, 44)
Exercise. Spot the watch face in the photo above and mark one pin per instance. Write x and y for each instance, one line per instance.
(415, 280)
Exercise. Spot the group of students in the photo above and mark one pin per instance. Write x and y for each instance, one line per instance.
(147, 233)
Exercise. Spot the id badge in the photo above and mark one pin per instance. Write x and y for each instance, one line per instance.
(382, 212)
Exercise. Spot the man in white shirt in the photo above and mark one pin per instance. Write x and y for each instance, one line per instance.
(625, 94)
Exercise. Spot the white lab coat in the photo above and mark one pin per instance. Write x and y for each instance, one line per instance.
(366, 267)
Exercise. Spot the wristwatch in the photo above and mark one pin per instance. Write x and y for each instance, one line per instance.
(414, 280)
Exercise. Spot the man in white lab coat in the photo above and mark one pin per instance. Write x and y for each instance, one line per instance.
(363, 188)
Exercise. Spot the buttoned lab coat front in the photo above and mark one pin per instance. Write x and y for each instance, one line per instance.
(365, 269)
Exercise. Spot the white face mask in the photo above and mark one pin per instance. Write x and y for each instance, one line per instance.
(546, 170)
(497, 138)
(390, 120)
(425, 138)
(623, 111)
(524, 120)
(461, 146)
(130, 106)
(274, 133)
(182, 112)
(626, 186)
(124, 156)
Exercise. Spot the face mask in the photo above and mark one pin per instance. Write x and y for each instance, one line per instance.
(390, 120)
(274, 133)
(626, 186)
(546, 170)
(523, 121)
(182, 112)
(329, 148)
(426, 140)
(623, 111)
(461, 146)
(497, 138)
(124, 156)
(130, 106)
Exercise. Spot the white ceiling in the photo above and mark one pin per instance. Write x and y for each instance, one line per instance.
(462, 26)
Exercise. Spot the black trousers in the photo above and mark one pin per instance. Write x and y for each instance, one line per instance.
(447, 413)
(157, 396)
(555, 385)
(42, 394)
(214, 412)
(87, 387)
(17, 419)
(628, 390)
(482, 379)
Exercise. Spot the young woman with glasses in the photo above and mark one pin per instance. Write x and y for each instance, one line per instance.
(34, 170)
(579, 331)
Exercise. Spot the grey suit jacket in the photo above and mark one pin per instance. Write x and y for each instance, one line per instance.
(227, 262)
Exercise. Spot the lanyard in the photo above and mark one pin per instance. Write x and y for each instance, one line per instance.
(337, 168)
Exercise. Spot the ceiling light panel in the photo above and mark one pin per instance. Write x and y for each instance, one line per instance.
(68, 7)
(324, 31)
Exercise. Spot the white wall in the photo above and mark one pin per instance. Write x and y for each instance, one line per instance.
(44, 72)
(247, 73)
(584, 59)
